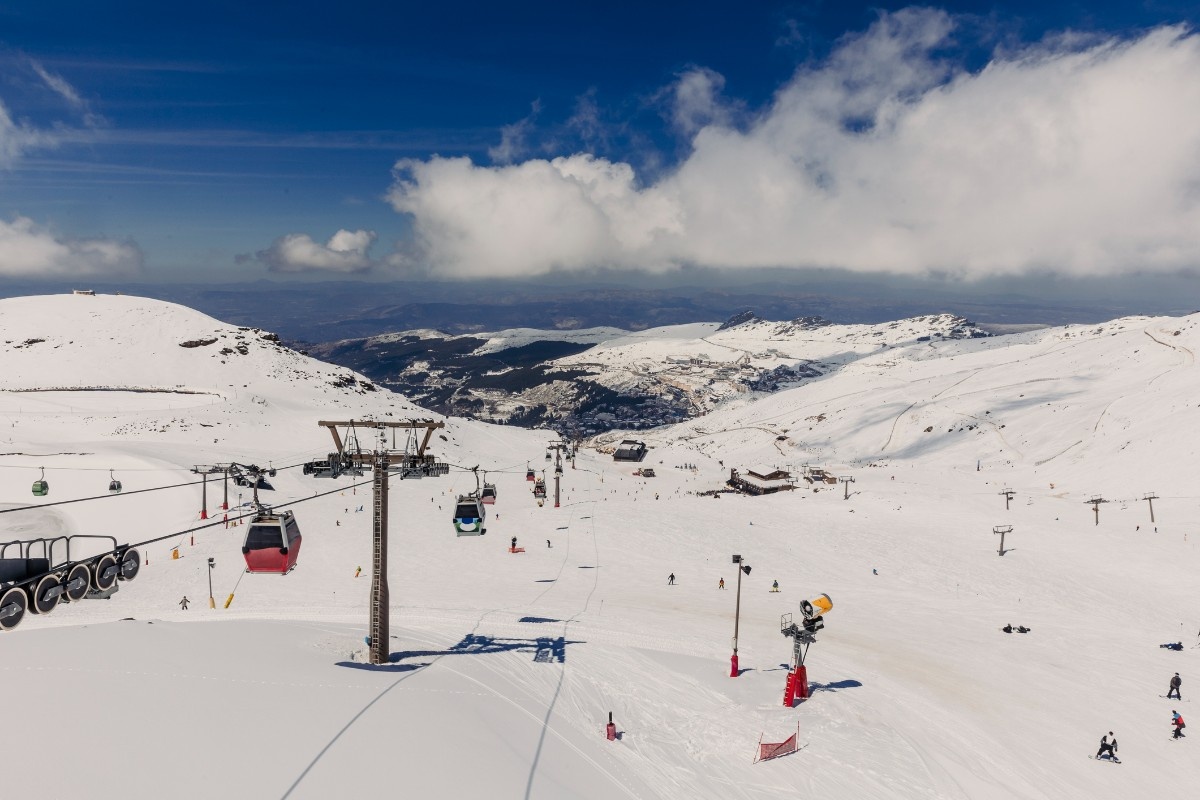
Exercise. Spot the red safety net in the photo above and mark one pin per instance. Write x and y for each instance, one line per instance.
(768, 750)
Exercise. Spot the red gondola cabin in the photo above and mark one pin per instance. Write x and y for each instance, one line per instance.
(272, 543)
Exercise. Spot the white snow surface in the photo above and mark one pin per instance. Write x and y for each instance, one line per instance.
(506, 665)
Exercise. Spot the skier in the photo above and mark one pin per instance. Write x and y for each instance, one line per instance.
(514, 543)
(1177, 721)
(775, 586)
(721, 585)
(184, 603)
(1107, 746)
(1175, 682)
(1173, 645)
(358, 572)
(671, 579)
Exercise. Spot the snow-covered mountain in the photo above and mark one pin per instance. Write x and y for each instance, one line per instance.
(507, 665)
(588, 381)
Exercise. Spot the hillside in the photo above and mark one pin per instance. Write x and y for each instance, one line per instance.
(506, 665)
(583, 382)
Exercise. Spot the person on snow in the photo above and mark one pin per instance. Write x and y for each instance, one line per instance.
(514, 543)
(721, 585)
(671, 579)
(1107, 746)
(358, 572)
(774, 586)
(1007, 629)
(1175, 682)
(1177, 721)
(1023, 629)
(184, 603)
(547, 543)
(1173, 645)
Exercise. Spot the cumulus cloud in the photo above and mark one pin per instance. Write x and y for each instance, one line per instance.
(27, 250)
(346, 251)
(1077, 156)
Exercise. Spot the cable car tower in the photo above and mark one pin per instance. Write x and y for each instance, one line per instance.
(411, 462)
(558, 448)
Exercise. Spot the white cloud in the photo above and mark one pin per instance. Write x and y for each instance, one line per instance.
(67, 92)
(346, 251)
(27, 250)
(696, 100)
(513, 137)
(1078, 156)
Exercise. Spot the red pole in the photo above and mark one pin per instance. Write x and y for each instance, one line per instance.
(204, 498)
(789, 692)
(733, 666)
(801, 682)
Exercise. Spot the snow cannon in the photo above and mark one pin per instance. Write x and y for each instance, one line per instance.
(821, 604)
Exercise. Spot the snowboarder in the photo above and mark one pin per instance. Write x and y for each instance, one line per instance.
(1177, 721)
(1107, 746)
(874, 571)
(1175, 682)
(184, 603)
(1023, 629)
(671, 579)
(774, 586)
(358, 572)
(1007, 628)
(514, 543)
(339, 523)
(721, 585)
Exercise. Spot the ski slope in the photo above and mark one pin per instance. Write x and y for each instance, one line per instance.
(506, 666)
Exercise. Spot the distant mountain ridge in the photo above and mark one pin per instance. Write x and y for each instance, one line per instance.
(584, 382)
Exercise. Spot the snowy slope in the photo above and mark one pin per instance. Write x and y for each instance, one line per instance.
(506, 665)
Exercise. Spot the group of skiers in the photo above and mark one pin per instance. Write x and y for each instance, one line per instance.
(1109, 747)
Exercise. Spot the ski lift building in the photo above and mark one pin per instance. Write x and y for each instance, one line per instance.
(761, 480)
(630, 450)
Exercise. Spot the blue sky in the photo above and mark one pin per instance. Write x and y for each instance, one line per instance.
(183, 137)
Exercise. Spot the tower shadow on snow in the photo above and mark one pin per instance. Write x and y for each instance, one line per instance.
(545, 650)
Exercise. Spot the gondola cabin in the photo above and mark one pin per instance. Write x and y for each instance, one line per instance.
(41, 487)
(539, 488)
(488, 495)
(530, 475)
(272, 543)
(468, 516)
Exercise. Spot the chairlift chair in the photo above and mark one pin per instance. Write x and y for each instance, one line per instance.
(272, 543)
(469, 515)
(114, 485)
(41, 486)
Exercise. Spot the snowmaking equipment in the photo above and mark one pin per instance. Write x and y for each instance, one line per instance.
(802, 635)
